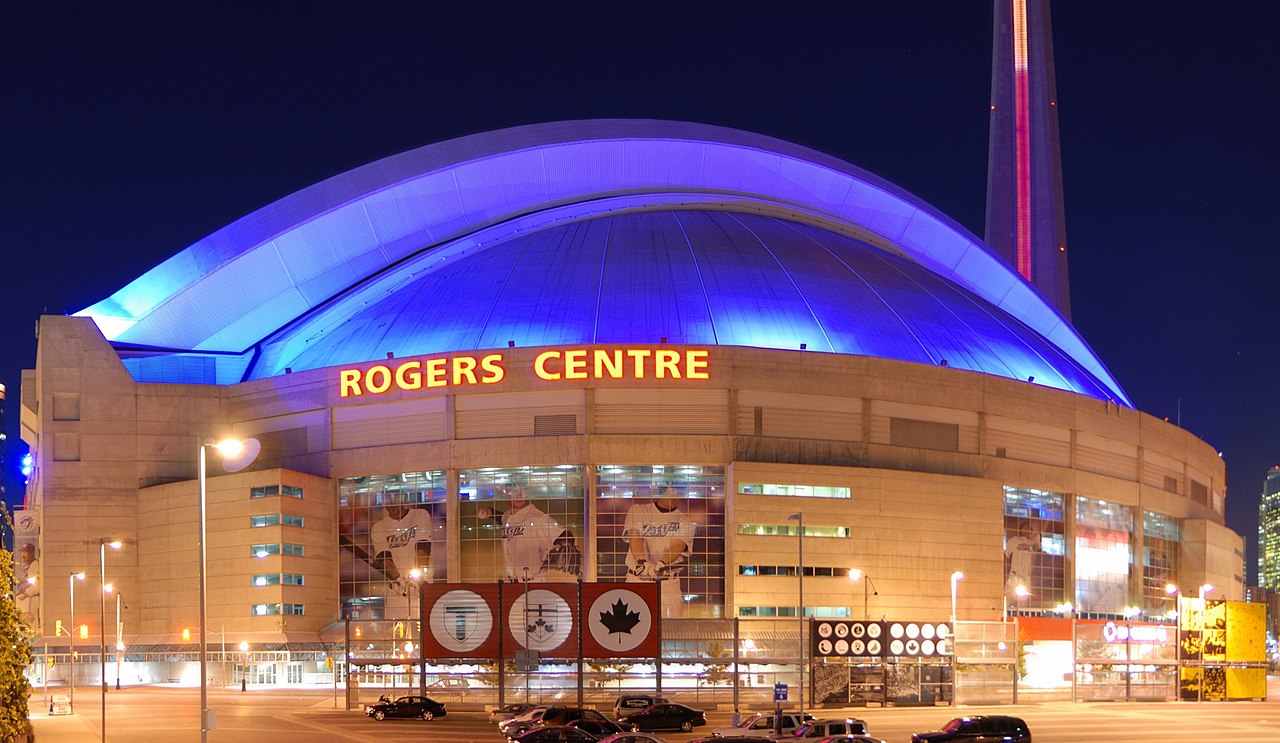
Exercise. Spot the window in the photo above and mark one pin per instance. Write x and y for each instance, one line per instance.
(276, 579)
(645, 511)
(1034, 549)
(275, 519)
(264, 491)
(264, 550)
(1103, 555)
(291, 491)
(1159, 562)
(262, 610)
(790, 611)
(512, 517)
(815, 571)
(801, 491)
(783, 530)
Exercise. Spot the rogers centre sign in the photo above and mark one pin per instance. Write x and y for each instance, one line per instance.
(553, 366)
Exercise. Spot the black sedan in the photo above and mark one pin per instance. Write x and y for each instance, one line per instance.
(555, 734)
(665, 717)
(411, 706)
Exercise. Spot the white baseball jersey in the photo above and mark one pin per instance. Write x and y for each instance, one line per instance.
(527, 536)
(400, 537)
(659, 529)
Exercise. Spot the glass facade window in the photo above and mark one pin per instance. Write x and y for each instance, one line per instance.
(664, 523)
(1034, 549)
(522, 522)
(388, 526)
(790, 611)
(782, 530)
(815, 571)
(264, 491)
(800, 491)
(1103, 555)
(290, 491)
(1160, 538)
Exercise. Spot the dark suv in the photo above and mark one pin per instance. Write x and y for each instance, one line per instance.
(979, 729)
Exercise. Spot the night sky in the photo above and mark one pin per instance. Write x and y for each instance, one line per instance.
(130, 133)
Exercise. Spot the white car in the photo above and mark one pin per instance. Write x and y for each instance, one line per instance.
(528, 715)
(760, 725)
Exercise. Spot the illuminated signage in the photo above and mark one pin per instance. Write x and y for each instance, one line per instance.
(1112, 632)
(553, 366)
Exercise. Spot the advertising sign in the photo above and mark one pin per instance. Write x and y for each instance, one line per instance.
(843, 638)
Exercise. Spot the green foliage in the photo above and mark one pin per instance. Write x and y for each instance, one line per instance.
(717, 669)
(16, 635)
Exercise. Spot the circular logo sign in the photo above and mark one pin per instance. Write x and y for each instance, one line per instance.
(842, 630)
(540, 620)
(824, 647)
(873, 630)
(619, 620)
(461, 621)
(824, 629)
(913, 630)
(857, 647)
(859, 630)
(874, 647)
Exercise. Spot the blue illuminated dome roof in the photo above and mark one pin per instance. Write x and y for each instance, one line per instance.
(591, 232)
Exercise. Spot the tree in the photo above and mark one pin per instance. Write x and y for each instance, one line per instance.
(16, 635)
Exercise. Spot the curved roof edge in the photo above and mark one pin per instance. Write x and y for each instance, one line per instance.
(236, 286)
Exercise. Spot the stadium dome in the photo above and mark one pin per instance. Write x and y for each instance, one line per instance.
(592, 232)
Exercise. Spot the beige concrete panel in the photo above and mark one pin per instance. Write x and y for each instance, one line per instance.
(656, 448)
(400, 458)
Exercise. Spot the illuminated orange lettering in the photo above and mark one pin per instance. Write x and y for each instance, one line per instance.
(349, 383)
(408, 377)
(436, 372)
(695, 365)
(667, 362)
(609, 362)
(639, 355)
(492, 367)
(377, 379)
(464, 366)
(575, 364)
(540, 365)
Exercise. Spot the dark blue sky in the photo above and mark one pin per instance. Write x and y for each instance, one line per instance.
(131, 132)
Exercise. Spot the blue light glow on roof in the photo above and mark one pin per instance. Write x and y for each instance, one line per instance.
(609, 232)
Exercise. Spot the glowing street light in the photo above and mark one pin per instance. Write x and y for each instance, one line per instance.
(71, 584)
(115, 544)
(956, 577)
(868, 587)
(236, 456)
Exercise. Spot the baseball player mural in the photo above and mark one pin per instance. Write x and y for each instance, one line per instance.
(399, 543)
(659, 541)
(534, 544)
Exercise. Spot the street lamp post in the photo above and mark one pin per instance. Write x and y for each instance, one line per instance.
(119, 637)
(956, 577)
(236, 456)
(527, 672)
(868, 589)
(71, 583)
(244, 665)
(1204, 589)
(799, 519)
(102, 617)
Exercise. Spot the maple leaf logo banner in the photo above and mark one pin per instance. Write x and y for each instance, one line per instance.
(620, 618)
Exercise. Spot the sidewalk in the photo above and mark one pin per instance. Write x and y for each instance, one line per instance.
(61, 728)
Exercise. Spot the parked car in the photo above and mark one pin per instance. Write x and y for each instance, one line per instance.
(815, 730)
(450, 683)
(630, 703)
(556, 714)
(507, 711)
(665, 717)
(529, 714)
(979, 729)
(554, 734)
(410, 706)
(726, 739)
(760, 725)
(634, 738)
(851, 739)
(600, 726)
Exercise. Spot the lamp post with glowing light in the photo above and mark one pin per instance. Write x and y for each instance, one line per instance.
(119, 637)
(102, 617)
(857, 574)
(71, 633)
(244, 665)
(799, 519)
(1203, 591)
(236, 456)
(956, 577)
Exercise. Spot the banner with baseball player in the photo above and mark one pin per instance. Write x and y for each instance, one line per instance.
(664, 525)
(392, 538)
(522, 523)
(495, 620)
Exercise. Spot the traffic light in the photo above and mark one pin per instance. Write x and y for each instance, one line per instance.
(57, 628)
(359, 632)
(84, 632)
(186, 634)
